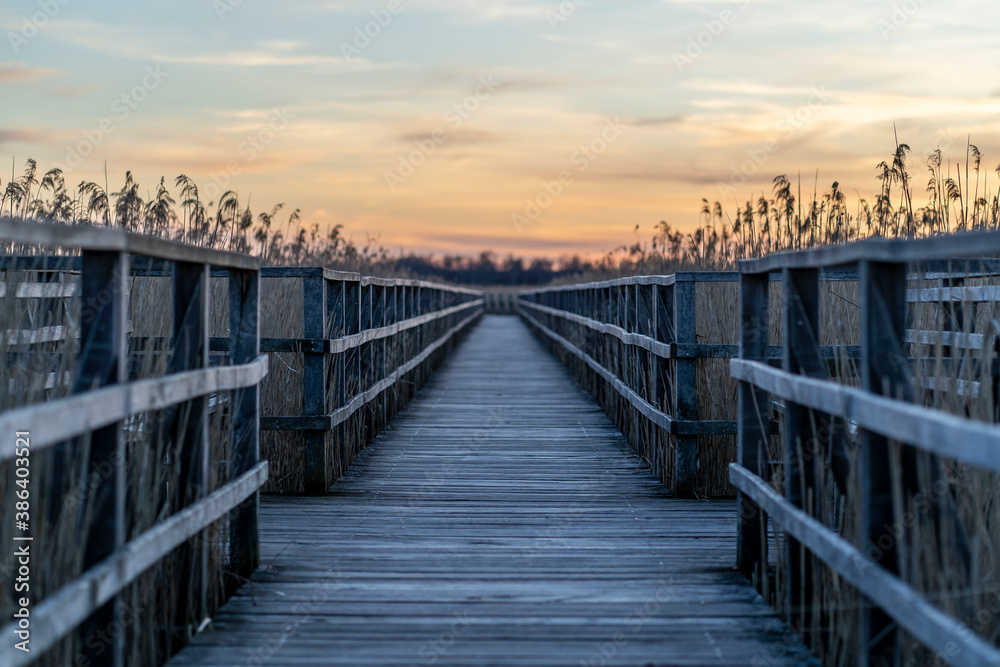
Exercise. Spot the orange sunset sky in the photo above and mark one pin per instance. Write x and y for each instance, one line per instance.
(532, 127)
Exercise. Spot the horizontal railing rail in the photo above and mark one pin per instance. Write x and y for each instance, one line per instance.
(884, 410)
(91, 423)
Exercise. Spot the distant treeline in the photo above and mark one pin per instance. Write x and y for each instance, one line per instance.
(489, 269)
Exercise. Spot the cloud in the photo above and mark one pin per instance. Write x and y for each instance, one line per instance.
(661, 121)
(19, 72)
(469, 11)
(456, 136)
(123, 42)
(19, 136)
(264, 58)
(73, 91)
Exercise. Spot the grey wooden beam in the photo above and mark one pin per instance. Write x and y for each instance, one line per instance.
(103, 362)
(751, 536)
(314, 384)
(685, 391)
(244, 348)
(800, 309)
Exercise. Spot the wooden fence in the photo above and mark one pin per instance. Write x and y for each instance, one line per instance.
(92, 423)
(636, 343)
(368, 345)
(875, 430)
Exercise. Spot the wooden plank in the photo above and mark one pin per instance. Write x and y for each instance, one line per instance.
(972, 245)
(105, 239)
(52, 334)
(968, 341)
(103, 363)
(751, 547)
(903, 604)
(314, 384)
(978, 294)
(186, 426)
(69, 417)
(41, 290)
(308, 272)
(61, 612)
(244, 348)
(685, 385)
(800, 310)
(934, 431)
(883, 372)
(512, 504)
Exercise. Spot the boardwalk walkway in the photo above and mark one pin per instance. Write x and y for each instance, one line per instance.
(499, 521)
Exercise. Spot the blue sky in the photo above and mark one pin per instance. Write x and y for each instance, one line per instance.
(459, 126)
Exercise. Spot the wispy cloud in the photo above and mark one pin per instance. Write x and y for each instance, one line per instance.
(25, 136)
(73, 91)
(20, 72)
(125, 42)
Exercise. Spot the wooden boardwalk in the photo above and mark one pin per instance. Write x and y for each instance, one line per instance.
(499, 521)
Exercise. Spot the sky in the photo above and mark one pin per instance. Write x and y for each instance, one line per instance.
(518, 126)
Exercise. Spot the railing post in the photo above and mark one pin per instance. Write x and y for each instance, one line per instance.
(352, 364)
(802, 446)
(380, 348)
(189, 430)
(751, 536)
(663, 331)
(644, 382)
(685, 389)
(366, 361)
(104, 362)
(244, 347)
(314, 383)
(883, 372)
(335, 314)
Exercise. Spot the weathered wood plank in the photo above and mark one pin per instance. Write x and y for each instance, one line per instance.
(928, 429)
(66, 418)
(105, 239)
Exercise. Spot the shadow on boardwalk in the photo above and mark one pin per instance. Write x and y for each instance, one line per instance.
(499, 521)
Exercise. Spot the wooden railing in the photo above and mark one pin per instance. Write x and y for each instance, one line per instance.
(369, 344)
(884, 416)
(636, 343)
(91, 424)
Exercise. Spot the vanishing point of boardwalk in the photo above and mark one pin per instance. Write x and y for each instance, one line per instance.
(499, 521)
